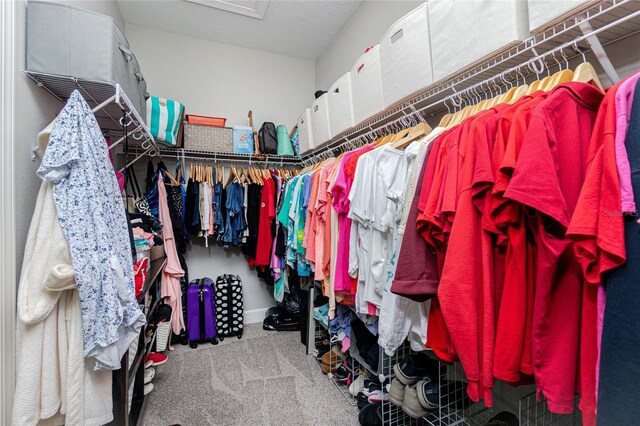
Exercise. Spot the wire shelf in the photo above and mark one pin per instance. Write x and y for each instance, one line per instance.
(455, 408)
(112, 108)
(536, 413)
(610, 20)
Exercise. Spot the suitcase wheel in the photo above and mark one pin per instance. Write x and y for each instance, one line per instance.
(214, 341)
(222, 339)
(193, 345)
(240, 336)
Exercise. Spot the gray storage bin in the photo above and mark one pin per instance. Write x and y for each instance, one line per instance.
(65, 41)
(208, 138)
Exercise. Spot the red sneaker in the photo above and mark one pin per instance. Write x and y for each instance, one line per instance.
(156, 358)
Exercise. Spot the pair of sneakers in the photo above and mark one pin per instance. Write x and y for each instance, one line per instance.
(415, 387)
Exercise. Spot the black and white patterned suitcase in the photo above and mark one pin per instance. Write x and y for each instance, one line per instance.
(229, 306)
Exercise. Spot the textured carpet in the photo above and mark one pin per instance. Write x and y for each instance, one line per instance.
(265, 378)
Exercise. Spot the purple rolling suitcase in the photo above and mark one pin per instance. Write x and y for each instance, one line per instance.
(201, 322)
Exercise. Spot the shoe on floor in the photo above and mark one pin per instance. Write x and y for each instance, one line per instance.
(380, 395)
(149, 374)
(503, 418)
(148, 388)
(370, 416)
(396, 393)
(156, 359)
(428, 393)
(371, 385)
(411, 405)
(330, 361)
(148, 363)
(416, 366)
(358, 384)
(344, 371)
(362, 400)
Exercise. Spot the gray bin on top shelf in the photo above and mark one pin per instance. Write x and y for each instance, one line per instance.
(65, 41)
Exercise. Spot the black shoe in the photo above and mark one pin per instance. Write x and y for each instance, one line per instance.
(370, 415)
(414, 367)
(371, 385)
(362, 400)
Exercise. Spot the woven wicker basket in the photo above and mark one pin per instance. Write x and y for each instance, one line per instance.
(208, 138)
(163, 332)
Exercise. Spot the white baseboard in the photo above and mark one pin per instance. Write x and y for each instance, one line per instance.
(255, 315)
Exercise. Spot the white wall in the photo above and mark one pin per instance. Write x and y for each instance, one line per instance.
(106, 7)
(222, 80)
(365, 28)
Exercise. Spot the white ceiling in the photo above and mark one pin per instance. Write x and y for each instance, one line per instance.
(298, 28)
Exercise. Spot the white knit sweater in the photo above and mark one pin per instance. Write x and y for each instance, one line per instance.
(54, 383)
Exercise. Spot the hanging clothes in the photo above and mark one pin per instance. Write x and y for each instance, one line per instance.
(87, 196)
(53, 379)
(172, 272)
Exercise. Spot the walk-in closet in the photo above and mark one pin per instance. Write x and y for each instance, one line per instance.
(320, 212)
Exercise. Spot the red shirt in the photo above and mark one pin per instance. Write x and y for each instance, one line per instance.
(597, 229)
(267, 214)
(547, 180)
(513, 330)
(466, 287)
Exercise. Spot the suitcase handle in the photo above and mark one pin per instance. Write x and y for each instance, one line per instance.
(128, 54)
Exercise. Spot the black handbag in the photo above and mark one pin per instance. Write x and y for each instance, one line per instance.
(267, 138)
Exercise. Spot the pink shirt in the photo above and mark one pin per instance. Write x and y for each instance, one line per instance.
(623, 100)
(172, 272)
(340, 194)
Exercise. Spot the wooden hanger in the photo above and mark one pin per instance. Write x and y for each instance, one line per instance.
(585, 73)
(418, 132)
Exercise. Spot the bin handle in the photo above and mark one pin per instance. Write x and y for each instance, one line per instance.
(128, 54)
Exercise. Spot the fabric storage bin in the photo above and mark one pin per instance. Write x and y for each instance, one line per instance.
(164, 118)
(341, 104)
(243, 142)
(366, 85)
(405, 56)
(65, 41)
(305, 132)
(321, 125)
(543, 13)
(208, 138)
(463, 32)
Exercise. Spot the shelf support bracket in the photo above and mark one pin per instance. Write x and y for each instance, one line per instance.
(599, 51)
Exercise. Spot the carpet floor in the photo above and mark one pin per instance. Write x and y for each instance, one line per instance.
(265, 378)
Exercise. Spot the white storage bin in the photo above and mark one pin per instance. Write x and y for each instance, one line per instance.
(320, 121)
(366, 85)
(542, 13)
(341, 104)
(305, 134)
(405, 54)
(463, 32)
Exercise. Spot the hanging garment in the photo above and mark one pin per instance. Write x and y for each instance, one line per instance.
(172, 272)
(266, 215)
(558, 135)
(598, 231)
(619, 375)
(53, 379)
(87, 196)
